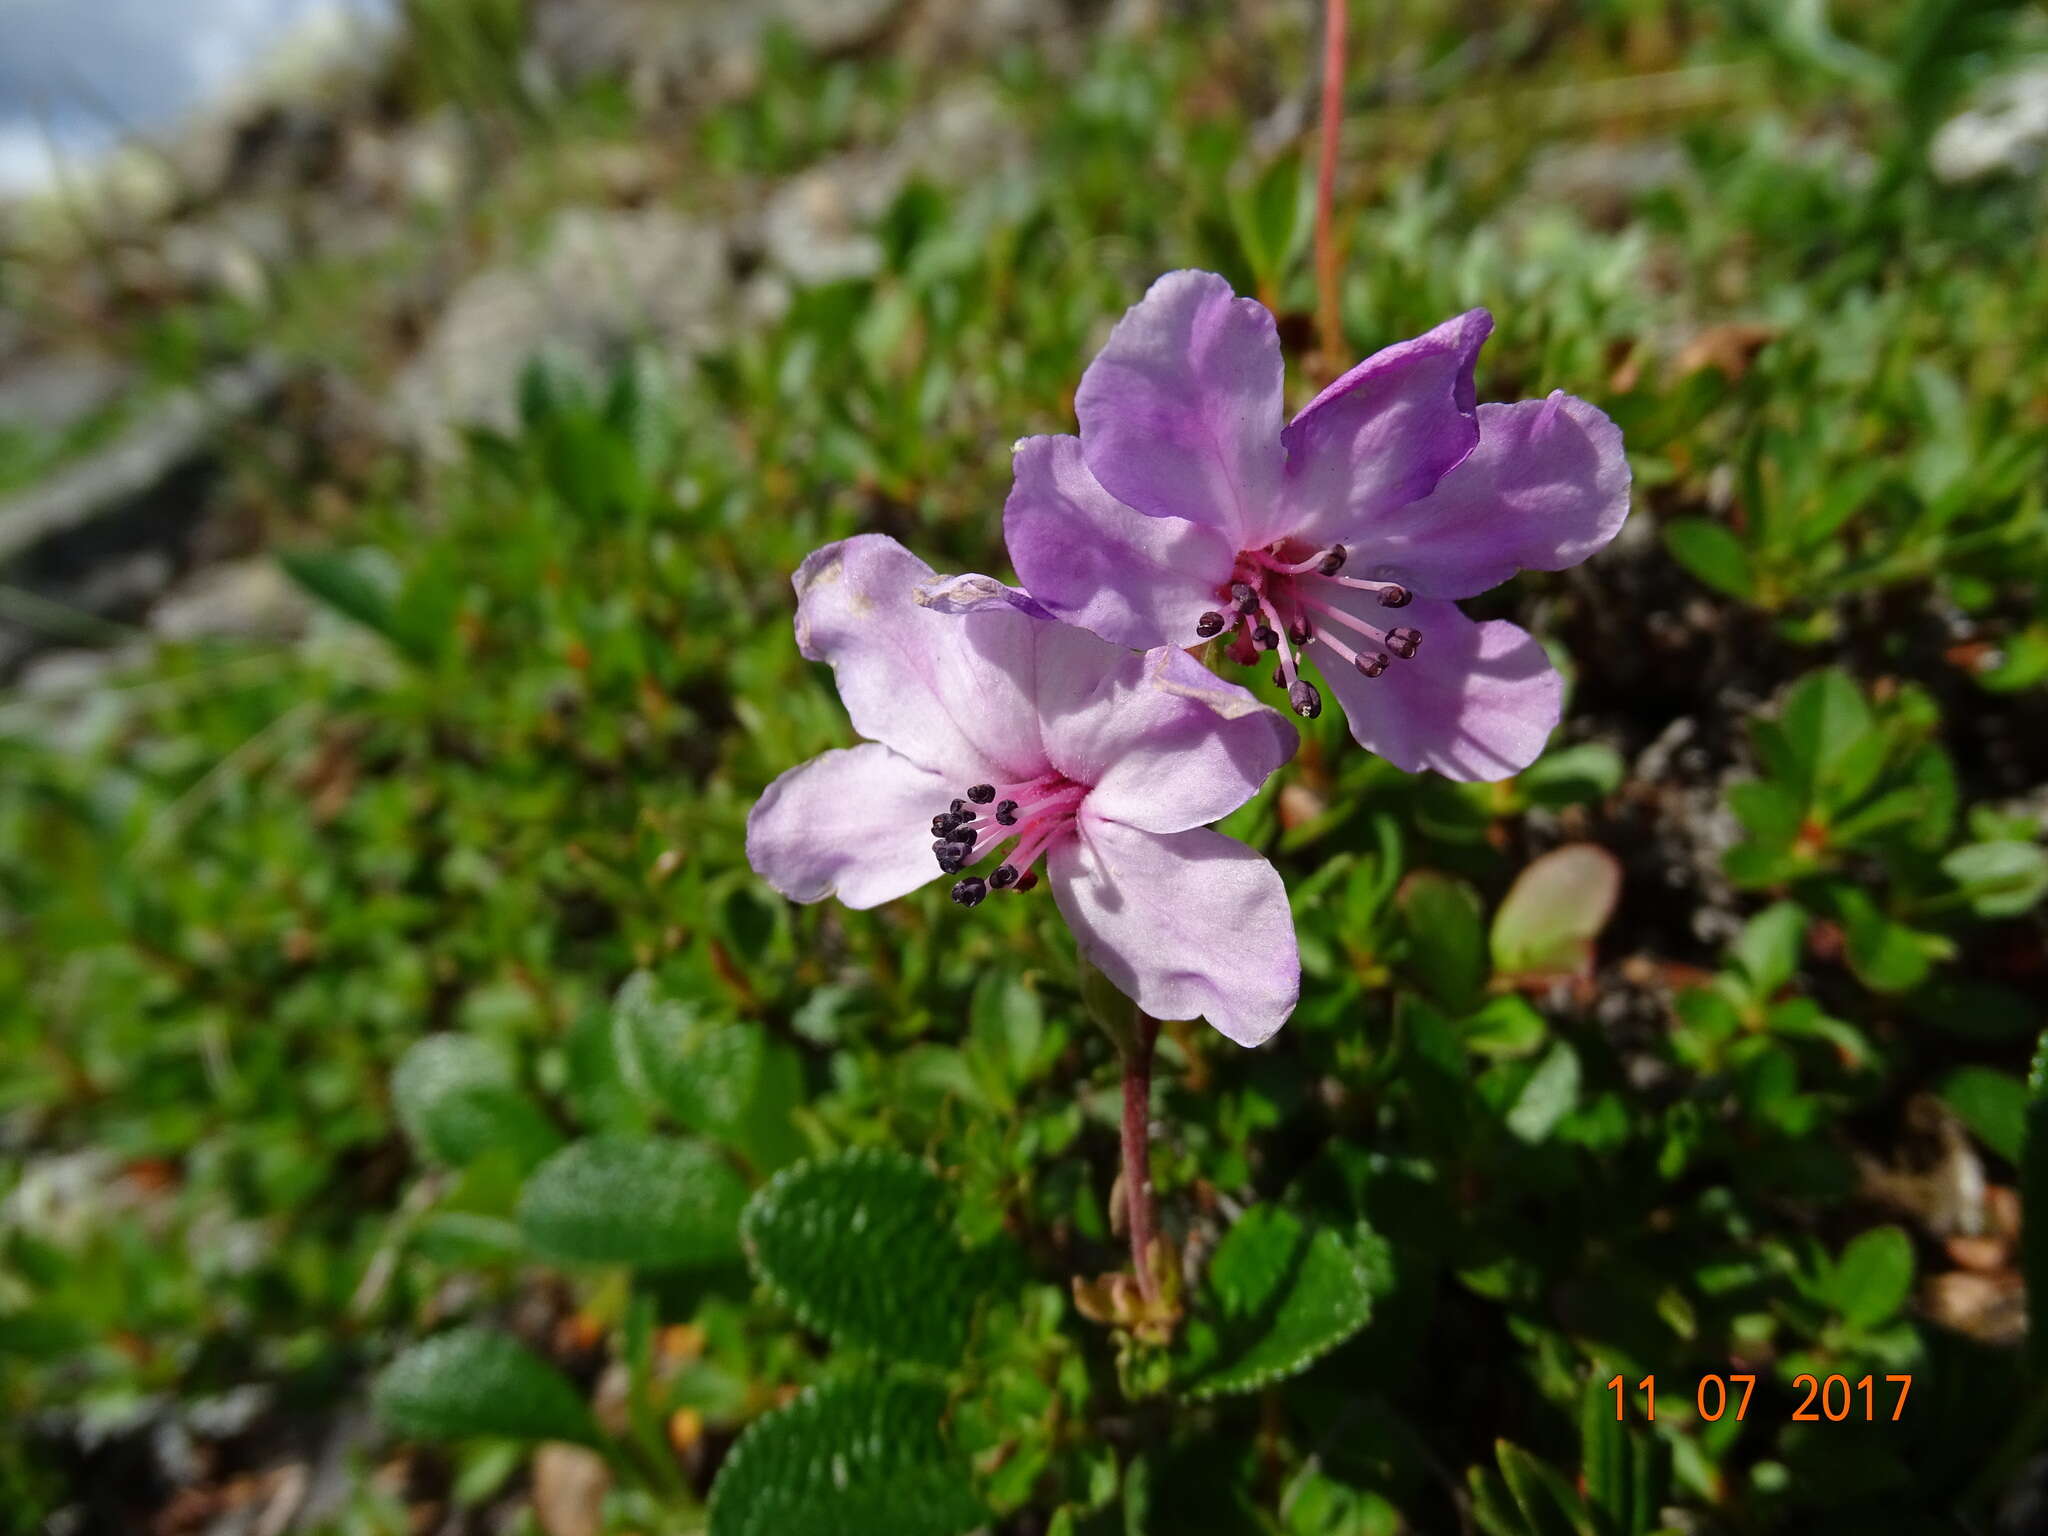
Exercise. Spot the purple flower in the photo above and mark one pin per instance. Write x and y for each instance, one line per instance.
(1186, 510)
(990, 723)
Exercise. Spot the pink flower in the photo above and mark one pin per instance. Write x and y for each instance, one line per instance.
(1186, 510)
(991, 725)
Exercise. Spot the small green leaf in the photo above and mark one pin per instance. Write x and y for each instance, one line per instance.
(1604, 1457)
(1768, 948)
(654, 1204)
(2000, 879)
(1546, 1501)
(360, 585)
(458, 1097)
(866, 1454)
(1503, 1026)
(1992, 1104)
(1446, 944)
(1886, 956)
(1829, 730)
(1551, 915)
(1573, 775)
(1873, 1277)
(862, 1248)
(1549, 1095)
(1280, 1293)
(1711, 553)
(1269, 219)
(722, 1079)
(477, 1381)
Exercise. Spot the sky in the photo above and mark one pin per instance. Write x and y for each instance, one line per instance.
(78, 76)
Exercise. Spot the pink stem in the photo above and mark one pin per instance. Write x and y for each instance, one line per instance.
(1329, 318)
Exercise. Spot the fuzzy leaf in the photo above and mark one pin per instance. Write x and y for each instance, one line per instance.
(1280, 1293)
(654, 1204)
(721, 1079)
(1551, 915)
(858, 1455)
(458, 1097)
(477, 1381)
(862, 1248)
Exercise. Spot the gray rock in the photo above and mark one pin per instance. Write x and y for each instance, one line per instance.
(55, 392)
(249, 599)
(606, 281)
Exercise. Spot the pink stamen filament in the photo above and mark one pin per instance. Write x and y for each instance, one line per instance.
(1340, 616)
(1286, 651)
(1349, 656)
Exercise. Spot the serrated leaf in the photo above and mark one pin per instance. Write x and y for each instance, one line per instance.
(861, 1455)
(862, 1248)
(458, 1097)
(1280, 1293)
(1873, 1277)
(719, 1078)
(1551, 915)
(477, 1381)
(656, 1203)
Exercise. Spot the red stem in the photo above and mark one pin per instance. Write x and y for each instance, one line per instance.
(1329, 318)
(1138, 1154)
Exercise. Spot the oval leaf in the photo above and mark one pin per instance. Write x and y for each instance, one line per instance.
(1873, 1277)
(458, 1097)
(477, 1381)
(862, 1248)
(1555, 909)
(655, 1204)
(1280, 1293)
(857, 1455)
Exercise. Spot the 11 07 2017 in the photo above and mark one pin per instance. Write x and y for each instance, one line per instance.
(1815, 1399)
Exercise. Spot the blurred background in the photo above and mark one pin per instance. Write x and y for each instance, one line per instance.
(410, 414)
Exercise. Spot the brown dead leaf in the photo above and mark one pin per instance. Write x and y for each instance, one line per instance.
(1991, 1309)
(1731, 348)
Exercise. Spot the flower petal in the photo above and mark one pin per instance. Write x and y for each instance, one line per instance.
(1139, 581)
(1166, 743)
(1546, 487)
(1189, 924)
(1180, 411)
(1476, 701)
(1384, 434)
(950, 692)
(852, 823)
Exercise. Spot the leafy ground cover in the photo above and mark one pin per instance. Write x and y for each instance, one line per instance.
(409, 1083)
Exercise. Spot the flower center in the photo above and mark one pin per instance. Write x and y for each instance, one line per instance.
(1269, 599)
(1036, 814)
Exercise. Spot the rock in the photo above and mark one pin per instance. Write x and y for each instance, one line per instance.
(605, 281)
(569, 1484)
(2006, 130)
(249, 599)
(55, 392)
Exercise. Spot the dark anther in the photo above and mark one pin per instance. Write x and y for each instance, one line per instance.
(1393, 595)
(1209, 624)
(1299, 632)
(1373, 666)
(1005, 876)
(969, 892)
(959, 806)
(942, 824)
(1027, 880)
(965, 836)
(1333, 560)
(1006, 813)
(981, 794)
(1242, 595)
(1402, 642)
(1306, 701)
(951, 856)
(1279, 678)
(1264, 637)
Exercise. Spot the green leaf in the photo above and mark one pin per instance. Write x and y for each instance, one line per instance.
(1992, 1104)
(1573, 775)
(357, 584)
(1280, 1293)
(1873, 1277)
(1886, 956)
(1768, 948)
(862, 1248)
(1770, 811)
(1548, 1096)
(1269, 219)
(1446, 944)
(1711, 553)
(1829, 730)
(1604, 1452)
(1546, 1501)
(1551, 915)
(862, 1455)
(2000, 879)
(477, 1381)
(654, 1204)
(721, 1079)
(458, 1097)
(1503, 1026)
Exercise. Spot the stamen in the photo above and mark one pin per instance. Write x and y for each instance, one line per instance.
(965, 836)
(981, 794)
(958, 807)
(1333, 560)
(1279, 678)
(1371, 664)
(1393, 595)
(1265, 637)
(1005, 876)
(1006, 813)
(971, 891)
(1026, 881)
(1209, 625)
(1402, 642)
(1299, 632)
(1307, 702)
(1283, 675)
(1242, 595)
